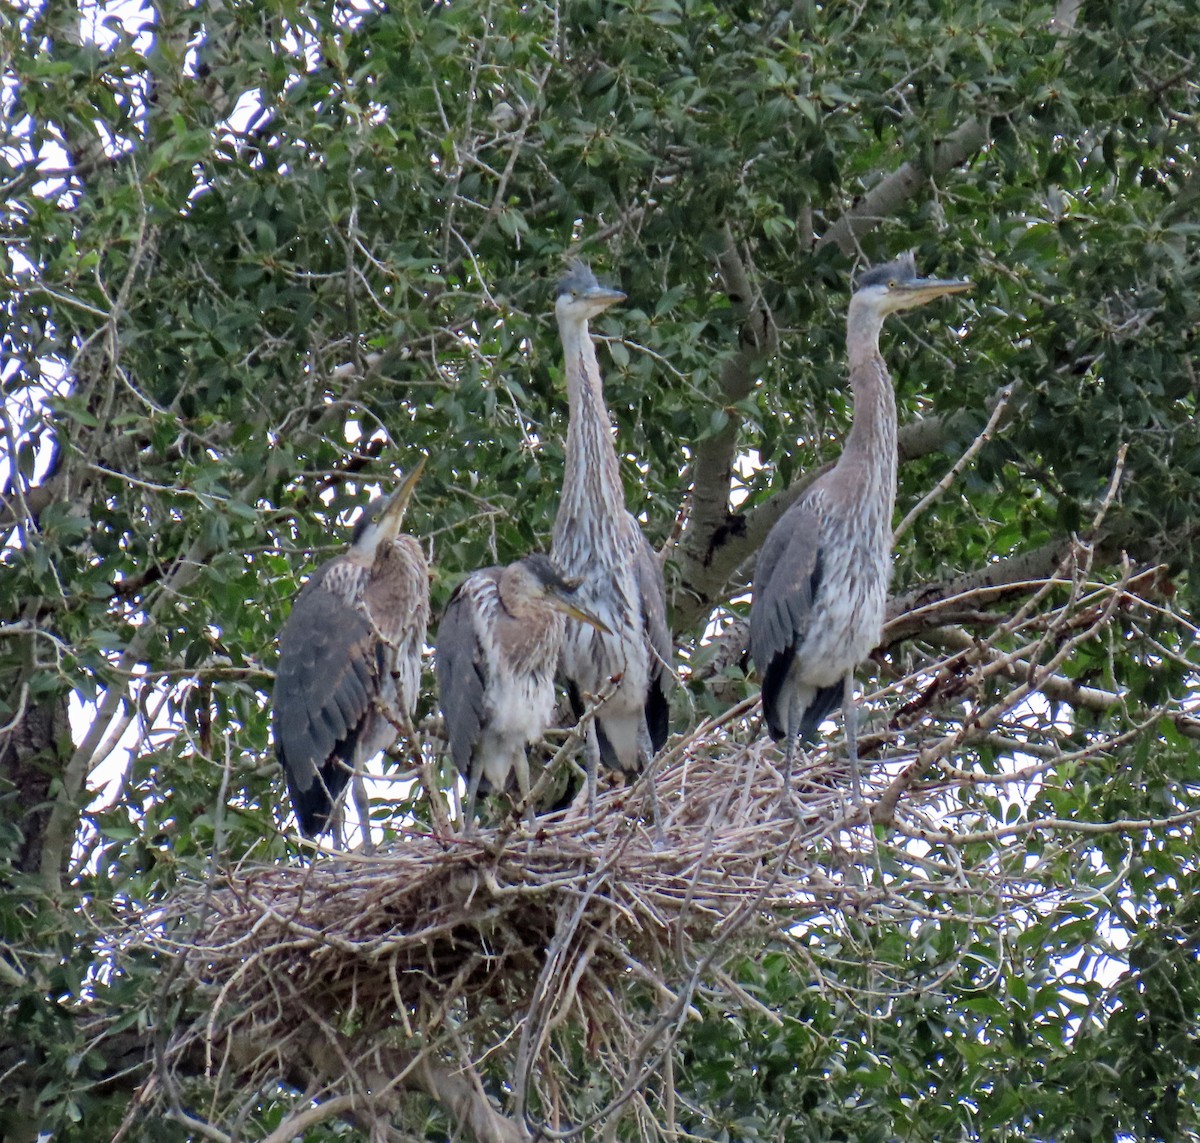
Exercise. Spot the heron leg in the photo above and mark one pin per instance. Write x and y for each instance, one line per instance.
(647, 756)
(795, 714)
(660, 838)
(591, 757)
(850, 708)
(789, 753)
(472, 795)
(521, 766)
(336, 823)
(362, 806)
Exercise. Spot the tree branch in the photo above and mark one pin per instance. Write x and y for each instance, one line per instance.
(712, 467)
(886, 197)
(952, 474)
(936, 604)
(295, 1125)
(468, 1104)
(373, 1083)
(1057, 688)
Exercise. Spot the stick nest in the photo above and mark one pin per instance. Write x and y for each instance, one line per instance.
(438, 919)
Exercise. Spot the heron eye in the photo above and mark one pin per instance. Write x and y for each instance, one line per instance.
(892, 284)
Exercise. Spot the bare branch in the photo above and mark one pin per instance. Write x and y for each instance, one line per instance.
(469, 1105)
(933, 605)
(295, 1125)
(891, 192)
(708, 512)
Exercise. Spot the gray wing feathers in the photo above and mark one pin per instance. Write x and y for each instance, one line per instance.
(654, 608)
(653, 594)
(461, 676)
(324, 682)
(785, 583)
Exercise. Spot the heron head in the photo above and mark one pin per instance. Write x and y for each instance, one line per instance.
(556, 590)
(578, 295)
(896, 286)
(381, 522)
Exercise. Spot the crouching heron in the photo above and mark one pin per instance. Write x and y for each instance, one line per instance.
(350, 665)
(497, 650)
(822, 576)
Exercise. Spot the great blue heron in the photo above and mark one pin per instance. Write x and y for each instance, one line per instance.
(599, 542)
(350, 664)
(497, 651)
(822, 575)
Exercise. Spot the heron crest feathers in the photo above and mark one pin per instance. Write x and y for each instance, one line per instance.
(578, 278)
(901, 269)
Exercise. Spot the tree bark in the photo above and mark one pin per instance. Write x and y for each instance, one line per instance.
(709, 516)
(889, 194)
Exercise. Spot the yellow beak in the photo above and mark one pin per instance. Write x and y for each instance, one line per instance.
(561, 603)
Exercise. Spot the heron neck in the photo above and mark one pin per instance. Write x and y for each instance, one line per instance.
(593, 477)
(871, 442)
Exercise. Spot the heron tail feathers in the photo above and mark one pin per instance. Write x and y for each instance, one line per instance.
(658, 715)
(774, 698)
(810, 707)
(313, 802)
(823, 703)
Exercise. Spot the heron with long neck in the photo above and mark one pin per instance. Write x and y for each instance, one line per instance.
(350, 665)
(821, 582)
(597, 541)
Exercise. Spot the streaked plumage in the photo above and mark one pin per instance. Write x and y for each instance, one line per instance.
(350, 663)
(821, 582)
(597, 540)
(497, 650)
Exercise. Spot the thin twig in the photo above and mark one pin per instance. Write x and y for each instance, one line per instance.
(939, 489)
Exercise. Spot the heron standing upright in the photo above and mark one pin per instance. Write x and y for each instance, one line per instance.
(497, 652)
(350, 665)
(597, 541)
(821, 581)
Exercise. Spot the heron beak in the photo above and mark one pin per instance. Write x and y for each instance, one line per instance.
(392, 515)
(600, 298)
(918, 291)
(560, 602)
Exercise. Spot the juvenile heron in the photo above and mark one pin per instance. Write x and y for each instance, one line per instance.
(822, 575)
(350, 664)
(497, 650)
(599, 542)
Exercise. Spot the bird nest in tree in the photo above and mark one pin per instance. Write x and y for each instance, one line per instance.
(374, 940)
(458, 947)
(454, 950)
